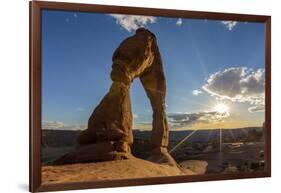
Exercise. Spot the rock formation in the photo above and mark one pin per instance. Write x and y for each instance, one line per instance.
(116, 170)
(109, 132)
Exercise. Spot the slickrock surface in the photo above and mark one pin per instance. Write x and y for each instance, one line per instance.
(117, 169)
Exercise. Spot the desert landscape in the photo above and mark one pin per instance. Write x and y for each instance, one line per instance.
(242, 151)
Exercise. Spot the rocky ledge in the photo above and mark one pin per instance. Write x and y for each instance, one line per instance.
(118, 169)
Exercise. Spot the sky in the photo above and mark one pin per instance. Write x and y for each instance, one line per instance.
(214, 69)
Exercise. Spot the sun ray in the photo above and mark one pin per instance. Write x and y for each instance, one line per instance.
(181, 142)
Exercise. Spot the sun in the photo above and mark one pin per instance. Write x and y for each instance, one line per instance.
(221, 108)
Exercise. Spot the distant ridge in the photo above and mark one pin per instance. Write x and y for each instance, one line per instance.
(65, 138)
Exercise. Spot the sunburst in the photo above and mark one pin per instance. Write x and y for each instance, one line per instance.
(221, 108)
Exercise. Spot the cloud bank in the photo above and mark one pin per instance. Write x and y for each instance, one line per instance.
(58, 125)
(238, 85)
(185, 119)
(133, 22)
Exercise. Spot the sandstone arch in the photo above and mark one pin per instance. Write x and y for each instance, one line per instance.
(109, 132)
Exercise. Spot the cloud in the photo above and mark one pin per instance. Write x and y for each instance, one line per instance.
(257, 108)
(179, 22)
(239, 84)
(196, 92)
(133, 22)
(58, 125)
(135, 116)
(52, 124)
(229, 24)
(185, 119)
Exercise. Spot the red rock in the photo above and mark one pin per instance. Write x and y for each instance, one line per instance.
(111, 120)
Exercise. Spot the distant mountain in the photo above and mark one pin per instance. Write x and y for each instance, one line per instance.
(65, 138)
(205, 135)
(56, 143)
(59, 138)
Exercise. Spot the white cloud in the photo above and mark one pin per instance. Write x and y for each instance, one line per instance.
(257, 108)
(52, 124)
(133, 22)
(179, 22)
(229, 24)
(239, 84)
(196, 92)
(184, 119)
(58, 125)
(135, 116)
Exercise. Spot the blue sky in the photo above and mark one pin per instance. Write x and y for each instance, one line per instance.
(209, 66)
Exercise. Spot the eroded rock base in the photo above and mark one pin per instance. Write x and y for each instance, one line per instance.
(102, 151)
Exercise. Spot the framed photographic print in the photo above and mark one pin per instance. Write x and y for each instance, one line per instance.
(123, 96)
